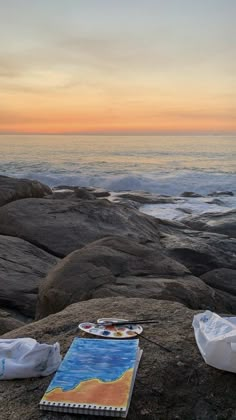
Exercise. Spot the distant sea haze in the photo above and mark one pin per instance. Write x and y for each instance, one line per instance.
(160, 164)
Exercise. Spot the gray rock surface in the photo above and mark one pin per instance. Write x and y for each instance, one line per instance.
(12, 189)
(22, 267)
(223, 223)
(198, 251)
(222, 279)
(62, 226)
(117, 266)
(7, 323)
(169, 385)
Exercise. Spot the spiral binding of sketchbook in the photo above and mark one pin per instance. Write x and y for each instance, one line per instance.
(96, 377)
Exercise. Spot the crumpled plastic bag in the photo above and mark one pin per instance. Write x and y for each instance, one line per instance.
(26, 358)
(216, 339)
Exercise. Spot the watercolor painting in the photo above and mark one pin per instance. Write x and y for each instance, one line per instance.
(96, 372)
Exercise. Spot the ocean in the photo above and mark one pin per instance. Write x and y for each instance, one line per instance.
(159, 164)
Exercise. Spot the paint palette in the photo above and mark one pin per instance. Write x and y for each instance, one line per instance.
(111, 331)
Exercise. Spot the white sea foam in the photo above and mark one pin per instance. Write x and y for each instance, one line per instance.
(188, 206)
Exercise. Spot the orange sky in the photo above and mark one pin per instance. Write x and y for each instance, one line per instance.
(114, 68)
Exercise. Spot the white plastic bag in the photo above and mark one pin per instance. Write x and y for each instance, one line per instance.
(216, 339)
(26, 358)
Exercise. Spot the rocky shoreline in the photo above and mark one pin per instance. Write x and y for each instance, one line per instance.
(99, 253)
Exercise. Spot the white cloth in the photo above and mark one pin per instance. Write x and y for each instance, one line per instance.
(26, 358)
(216, 339)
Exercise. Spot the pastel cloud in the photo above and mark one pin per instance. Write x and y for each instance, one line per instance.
(89, 67)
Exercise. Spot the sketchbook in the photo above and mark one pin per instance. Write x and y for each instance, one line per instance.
(96, 377)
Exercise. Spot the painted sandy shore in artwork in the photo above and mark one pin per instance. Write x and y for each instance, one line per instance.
(96, 392)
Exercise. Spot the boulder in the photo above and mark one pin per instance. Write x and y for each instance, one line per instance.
(22, 267)
(62, 226)
(120, 267)
(169, 385)
(198, 251)
(12, 189)
(222, 279)
(7, 323)
(223, 223)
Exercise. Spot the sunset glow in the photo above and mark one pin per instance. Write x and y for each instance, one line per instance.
(125, 67)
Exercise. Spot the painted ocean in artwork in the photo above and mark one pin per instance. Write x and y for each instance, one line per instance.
(94, 371)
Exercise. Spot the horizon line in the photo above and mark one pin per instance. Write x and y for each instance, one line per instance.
(119, 133)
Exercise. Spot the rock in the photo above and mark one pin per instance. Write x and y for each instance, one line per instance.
(63, 188)
(7, 323)
(22, 266)
(184, 210)
(198, 251)
(169, 385)
(219, 193)
(99, 192)
(83, 193)
(216, 201)
(120, 267)
(12, 189)
(222, 279)
(223, 223)
(147, 198)
(128, 203)
(62, 226)
(83, 272)
(62, 195)
(190, 194)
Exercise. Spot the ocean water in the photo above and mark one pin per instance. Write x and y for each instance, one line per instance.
(159, 164)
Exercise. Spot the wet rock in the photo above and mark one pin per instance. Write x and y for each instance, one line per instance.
(223, 223)
(184, 210)
(147, 198)
(99, 192)
(216, 201)
(219, 193)
(190, 194)
(12, 189)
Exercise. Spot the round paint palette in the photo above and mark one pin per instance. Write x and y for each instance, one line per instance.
(111, 331)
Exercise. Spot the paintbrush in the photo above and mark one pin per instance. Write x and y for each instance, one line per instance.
(131, 322)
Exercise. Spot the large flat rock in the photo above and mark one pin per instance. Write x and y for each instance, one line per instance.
(62, 226)
(12, 189)
(169, 385)
(119, 266)
(22, 267)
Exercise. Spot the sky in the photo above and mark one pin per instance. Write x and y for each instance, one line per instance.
(109, 66)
